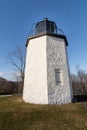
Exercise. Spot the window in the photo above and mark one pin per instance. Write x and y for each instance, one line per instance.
(58, 76)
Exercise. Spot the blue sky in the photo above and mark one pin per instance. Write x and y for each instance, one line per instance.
(17, 17)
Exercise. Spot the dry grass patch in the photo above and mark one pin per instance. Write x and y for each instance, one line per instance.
(17, 115)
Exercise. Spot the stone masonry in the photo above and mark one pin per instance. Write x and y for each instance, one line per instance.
(57, 58)
(46, 53)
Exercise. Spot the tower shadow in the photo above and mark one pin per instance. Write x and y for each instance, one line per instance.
(79, 98)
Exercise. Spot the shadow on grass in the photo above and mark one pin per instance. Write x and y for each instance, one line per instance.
(80, 98)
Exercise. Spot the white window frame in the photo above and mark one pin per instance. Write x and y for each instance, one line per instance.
(58, 76)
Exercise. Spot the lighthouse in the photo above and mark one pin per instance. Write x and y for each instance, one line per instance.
(47, 76)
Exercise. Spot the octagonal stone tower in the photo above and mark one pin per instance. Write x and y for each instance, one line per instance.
(47, 78)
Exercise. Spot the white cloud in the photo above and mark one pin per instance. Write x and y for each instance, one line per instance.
(13, 75)
(1, 73)
(6, 75)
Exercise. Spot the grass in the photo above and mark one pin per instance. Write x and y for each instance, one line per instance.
(17, 115)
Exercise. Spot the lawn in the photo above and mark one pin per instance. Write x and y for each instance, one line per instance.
(17, 115)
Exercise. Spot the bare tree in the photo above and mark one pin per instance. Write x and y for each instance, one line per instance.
(17, 59)
(75, 84)
(82, 77)
(79, 82)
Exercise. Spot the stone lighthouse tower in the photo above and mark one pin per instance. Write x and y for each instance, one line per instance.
(47, 79)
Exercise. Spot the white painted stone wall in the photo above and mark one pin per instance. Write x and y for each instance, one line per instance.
(44, 55)
(35, 82)
(57, 58)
